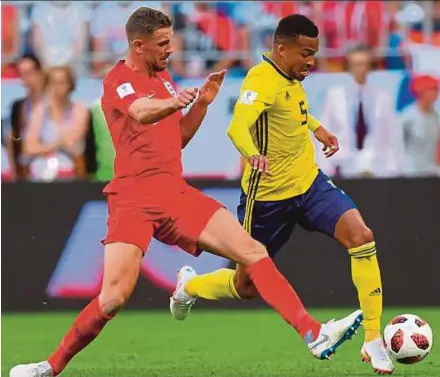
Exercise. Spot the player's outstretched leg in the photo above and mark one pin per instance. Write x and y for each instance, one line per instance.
(226, 283)
(217, 285)
(322, 340)
(121, 270)
(352, 232)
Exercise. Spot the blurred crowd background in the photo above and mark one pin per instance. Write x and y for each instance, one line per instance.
(375, 84)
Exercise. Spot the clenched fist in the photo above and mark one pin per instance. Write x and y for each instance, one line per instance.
(185, 97)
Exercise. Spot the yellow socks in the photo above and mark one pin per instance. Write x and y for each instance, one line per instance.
(216, 285)
(366, 277)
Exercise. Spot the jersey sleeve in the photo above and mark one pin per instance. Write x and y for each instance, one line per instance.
(313, 123)
(256, 96)
(121, 92)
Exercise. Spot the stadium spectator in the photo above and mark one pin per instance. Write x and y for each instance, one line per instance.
(108, 33)
(256, 37)
(348, 23)
(210, 36)
(60, 33)
(10, 38)
(405, 96)
(55, 141)
(32, 76)
(396, 49)
(364, 120)
(421, 129)
(418, 32)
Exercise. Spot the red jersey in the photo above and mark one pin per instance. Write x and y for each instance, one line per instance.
(144, 153)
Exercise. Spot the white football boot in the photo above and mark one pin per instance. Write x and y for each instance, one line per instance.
(334, 333)
(41, 369)
(181, 302)
(374, 352)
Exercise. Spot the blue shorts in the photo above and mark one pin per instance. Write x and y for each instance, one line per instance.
(318, 209)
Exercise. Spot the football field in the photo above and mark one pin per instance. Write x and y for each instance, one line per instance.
(209, 343)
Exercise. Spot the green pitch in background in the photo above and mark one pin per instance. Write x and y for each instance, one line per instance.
(209, 343)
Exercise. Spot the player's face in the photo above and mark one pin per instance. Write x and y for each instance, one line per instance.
(156, 49)
(299, 56)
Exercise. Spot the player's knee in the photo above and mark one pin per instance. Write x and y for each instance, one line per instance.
(112, 300)
(252, 252)
(111, 305)
(247, 291)
(245, 287)
(363, 236)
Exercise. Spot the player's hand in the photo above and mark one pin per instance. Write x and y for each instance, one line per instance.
(260, 163)
(184, 98)
(329, 141)
(210, 89)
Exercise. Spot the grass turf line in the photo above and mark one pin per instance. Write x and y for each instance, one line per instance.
(208, 343)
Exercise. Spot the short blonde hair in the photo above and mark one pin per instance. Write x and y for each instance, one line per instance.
(68, 72)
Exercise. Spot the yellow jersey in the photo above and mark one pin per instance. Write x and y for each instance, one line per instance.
(271, 118)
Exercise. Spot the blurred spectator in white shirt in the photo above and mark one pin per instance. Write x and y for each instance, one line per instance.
(56, 137)
(364, 120)
(421, 129)
(60, 33)
(107, 27)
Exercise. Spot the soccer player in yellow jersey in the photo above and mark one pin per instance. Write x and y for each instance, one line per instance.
(282, 185)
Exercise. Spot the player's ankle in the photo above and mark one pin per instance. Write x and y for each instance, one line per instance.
(371, 335)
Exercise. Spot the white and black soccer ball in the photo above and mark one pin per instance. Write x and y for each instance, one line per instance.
(408, 338)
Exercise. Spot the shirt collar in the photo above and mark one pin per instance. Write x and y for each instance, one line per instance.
(267, 58)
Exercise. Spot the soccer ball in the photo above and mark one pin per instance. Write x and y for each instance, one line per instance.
(408, 338)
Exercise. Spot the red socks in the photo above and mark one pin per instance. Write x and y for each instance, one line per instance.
(272, 286)
(84, 330)
(278, 293)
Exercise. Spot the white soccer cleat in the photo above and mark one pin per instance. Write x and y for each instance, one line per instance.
(334, 333)
(41, 369)
(181, 302)
(374, 352)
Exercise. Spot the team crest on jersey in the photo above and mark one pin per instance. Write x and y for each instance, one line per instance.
(288, 96)
(170, 88)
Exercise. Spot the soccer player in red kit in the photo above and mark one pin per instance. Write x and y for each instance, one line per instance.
(149, 198)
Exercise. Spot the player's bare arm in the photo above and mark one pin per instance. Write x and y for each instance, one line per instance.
(329, 141)
(191, 122)
(148, 111)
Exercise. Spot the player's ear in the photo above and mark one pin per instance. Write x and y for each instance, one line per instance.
(137, 45)
(281, 48)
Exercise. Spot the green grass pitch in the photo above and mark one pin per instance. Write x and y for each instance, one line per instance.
(209, 343)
